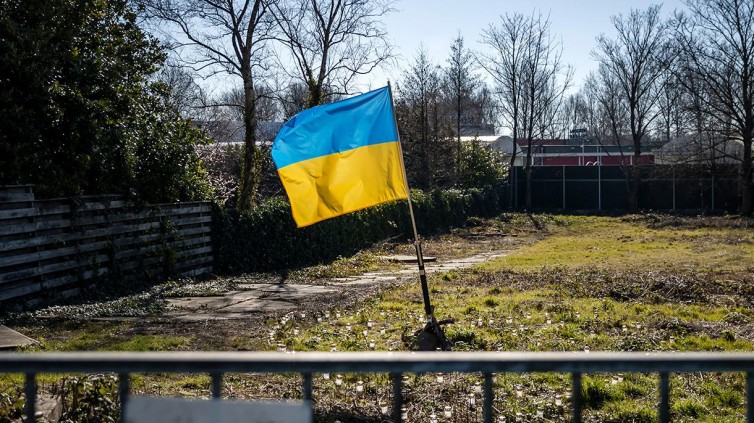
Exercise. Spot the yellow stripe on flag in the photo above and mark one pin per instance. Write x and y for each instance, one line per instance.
(339, 183)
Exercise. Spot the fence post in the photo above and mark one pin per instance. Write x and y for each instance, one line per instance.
(576, 396)
(564, 187)
(488, 398)
(217, 385)
(664, 397)
(307, 388)
(673, 187)
(749, 397)
(123, 387)
(599, 182)
(397, 397)
(31, 397)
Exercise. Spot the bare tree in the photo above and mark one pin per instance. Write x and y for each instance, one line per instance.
(486, 107)
(670, 122)
(636, 60)
(293, 99)
(184, 94)
(717, 43)
(573, 114)
(504, 63)
(531, 78)
(424, 130)
(607, 119)
(461, 84)
(224, 36)
(331, 42)
(544, 81)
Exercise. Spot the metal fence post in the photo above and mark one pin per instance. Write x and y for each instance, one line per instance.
(488, 398)
(123, 387)
(576, 396)
(749, 397)
(664, 397)
(307, 386)
(217, 385)
(599, 183)
(31, 397)
(564, 186)
(397, 396)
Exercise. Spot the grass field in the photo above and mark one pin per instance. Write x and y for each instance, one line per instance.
(568, 283)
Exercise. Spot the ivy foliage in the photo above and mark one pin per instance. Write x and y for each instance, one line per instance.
(80, 109)
(266, 239)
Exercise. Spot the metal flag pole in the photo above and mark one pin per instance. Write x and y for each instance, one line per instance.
(432, 326)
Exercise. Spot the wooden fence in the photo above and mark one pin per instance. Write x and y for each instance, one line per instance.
(63, 244)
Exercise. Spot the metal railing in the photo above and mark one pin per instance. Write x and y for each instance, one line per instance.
(394, 363)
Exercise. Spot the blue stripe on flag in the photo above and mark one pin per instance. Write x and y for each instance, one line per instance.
(359, 121)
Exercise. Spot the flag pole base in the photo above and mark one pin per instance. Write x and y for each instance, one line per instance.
(431, 337)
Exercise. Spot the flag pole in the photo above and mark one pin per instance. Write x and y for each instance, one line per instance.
(428, 309)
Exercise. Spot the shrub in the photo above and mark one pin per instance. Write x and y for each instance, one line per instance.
(267, 239)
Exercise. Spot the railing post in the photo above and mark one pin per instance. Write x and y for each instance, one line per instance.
(123, 388)
(576, 396)
(307, 386)
(749, 397)
(31, 397)
(488, 398)
(664, 397)
(397, 396)
(217, 385)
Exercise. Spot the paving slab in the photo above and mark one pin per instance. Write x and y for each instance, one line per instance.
(265, 288)
(258, 305)
(202, 317)
(202, 303)
(399, 258)
(9, 339)
(369, 281)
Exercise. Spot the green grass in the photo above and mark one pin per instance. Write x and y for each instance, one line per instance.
(620, 244)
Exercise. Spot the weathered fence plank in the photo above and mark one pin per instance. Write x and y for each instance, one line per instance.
(62, 243)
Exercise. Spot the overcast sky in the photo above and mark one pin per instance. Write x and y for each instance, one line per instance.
(435, 23)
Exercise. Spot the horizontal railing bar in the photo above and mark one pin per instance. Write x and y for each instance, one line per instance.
(367, 362)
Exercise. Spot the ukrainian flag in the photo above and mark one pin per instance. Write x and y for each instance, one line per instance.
(341, 157)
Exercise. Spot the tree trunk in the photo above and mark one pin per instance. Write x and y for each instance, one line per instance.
(252, 155)
(315, 94)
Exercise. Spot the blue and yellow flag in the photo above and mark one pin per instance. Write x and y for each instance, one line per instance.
(340, 157)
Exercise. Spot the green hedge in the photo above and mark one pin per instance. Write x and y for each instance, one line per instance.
(267, 238)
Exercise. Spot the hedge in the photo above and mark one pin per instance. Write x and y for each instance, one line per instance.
(266, 239)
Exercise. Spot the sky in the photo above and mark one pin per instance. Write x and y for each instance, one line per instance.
(434, 24)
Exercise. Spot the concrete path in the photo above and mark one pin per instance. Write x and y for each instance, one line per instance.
(251, 298)
(257, 298)
(9, 339)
